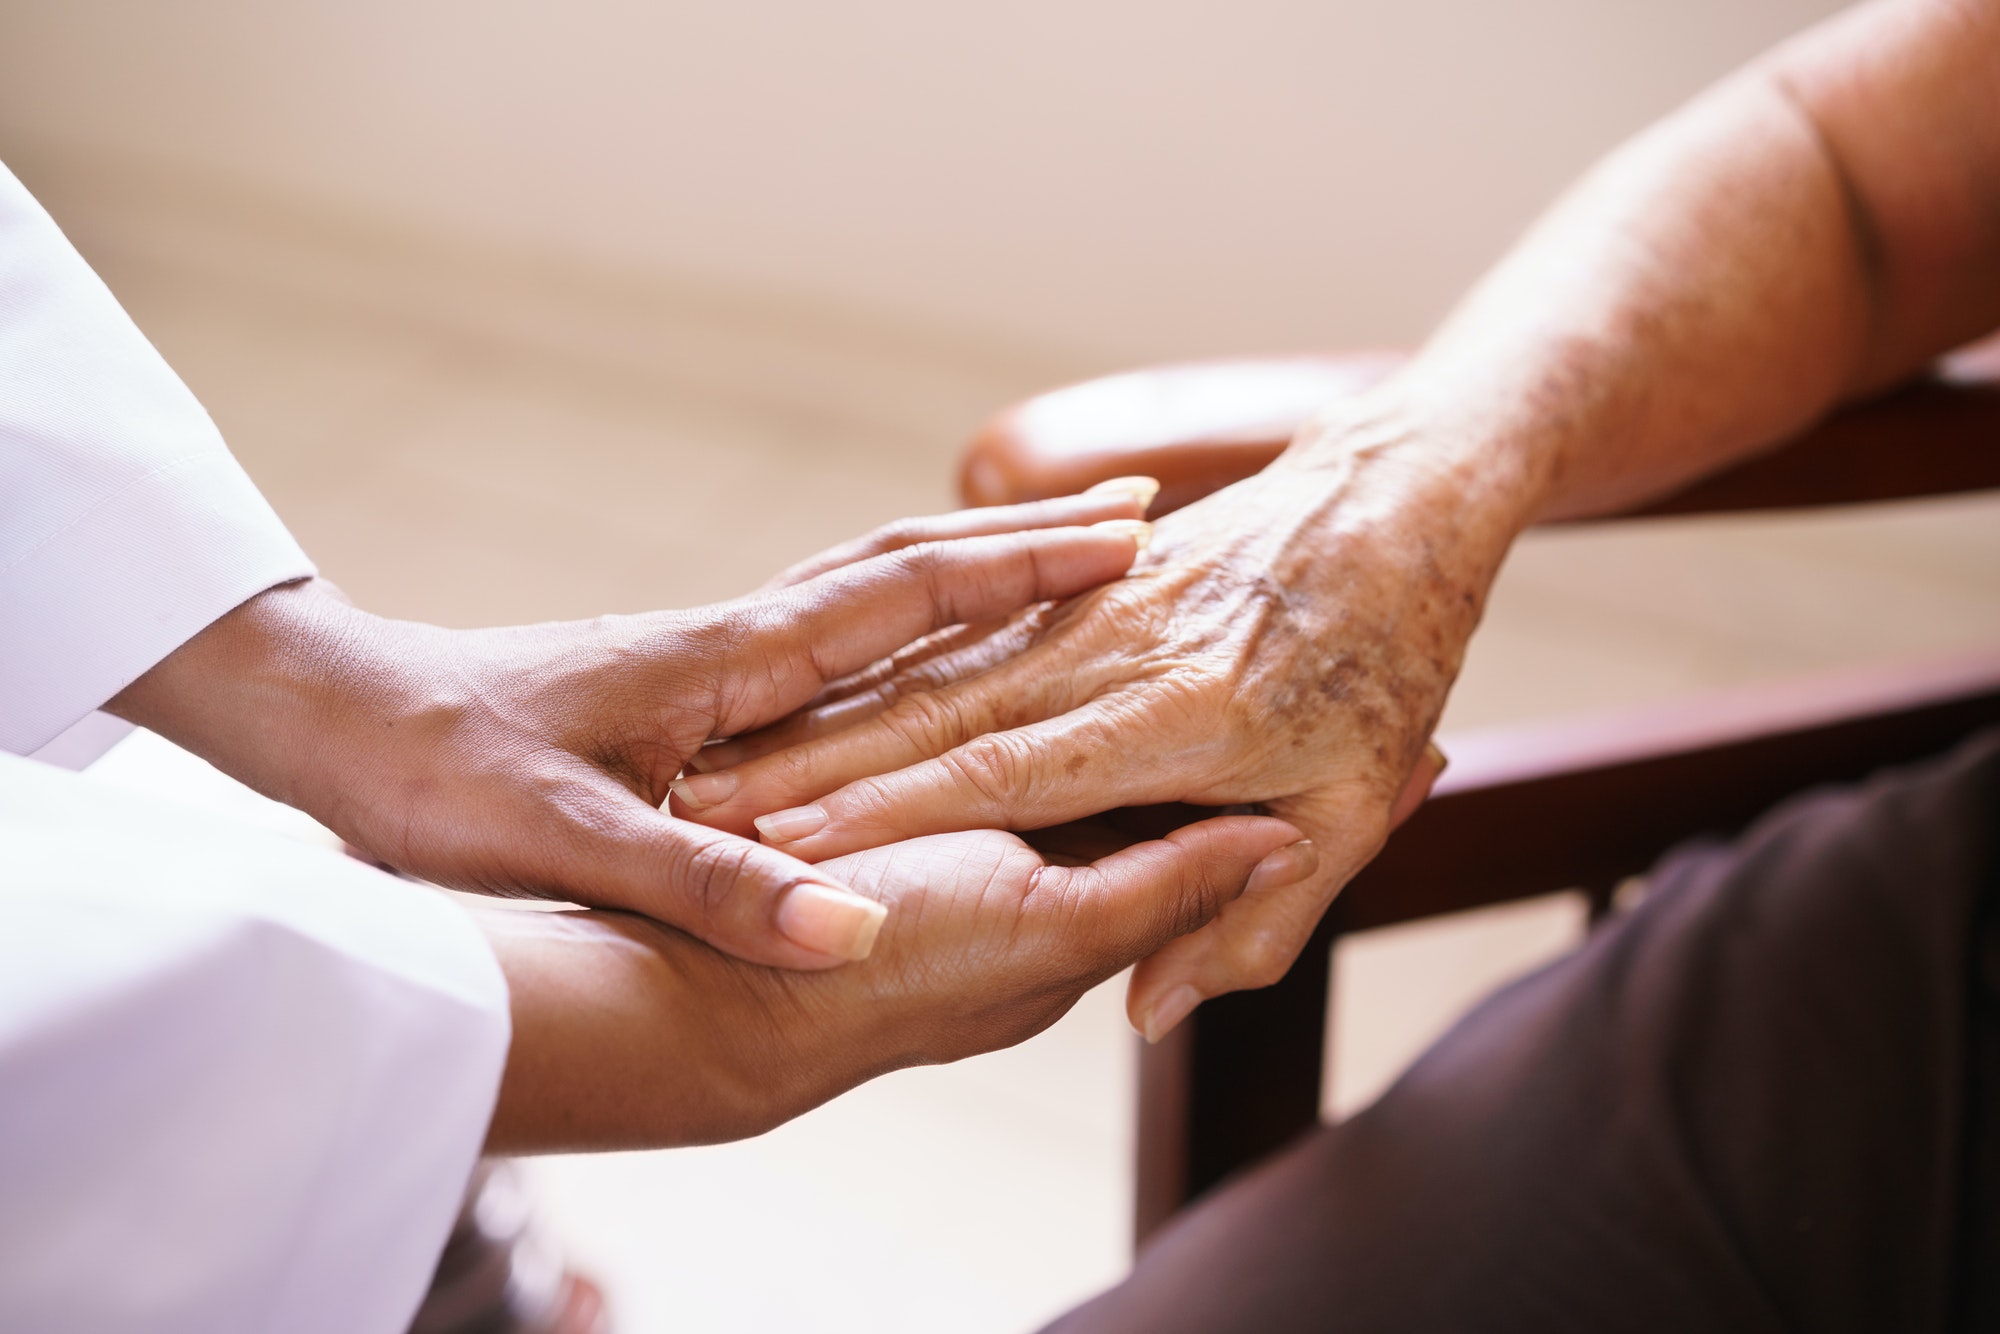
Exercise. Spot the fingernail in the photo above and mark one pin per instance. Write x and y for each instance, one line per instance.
(1141, 489)
(1138, 530)
(1169, 1010)
(1437, 757)
(699, 763)
(792, 825)
(1287, 866)
(830, 921)
(700, 791)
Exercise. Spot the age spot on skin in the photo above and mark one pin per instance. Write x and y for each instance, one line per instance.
(1338, 684)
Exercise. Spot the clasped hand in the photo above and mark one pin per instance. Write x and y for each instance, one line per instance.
(533, 760)
(1286, 642)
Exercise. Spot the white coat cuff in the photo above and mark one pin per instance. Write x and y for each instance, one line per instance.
(140, 574)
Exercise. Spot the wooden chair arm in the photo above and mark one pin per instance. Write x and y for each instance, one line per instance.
(1196, 426)
(1584, 802)
(1199, 426)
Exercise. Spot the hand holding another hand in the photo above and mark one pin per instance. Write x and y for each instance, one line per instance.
(1286, 642)
(629, 1034)
(533, 760)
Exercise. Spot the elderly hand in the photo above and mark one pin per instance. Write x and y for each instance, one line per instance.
(533, 760)
(1287, 641)
(628, 1034)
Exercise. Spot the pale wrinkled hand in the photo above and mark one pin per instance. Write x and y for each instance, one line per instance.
(1286, 642)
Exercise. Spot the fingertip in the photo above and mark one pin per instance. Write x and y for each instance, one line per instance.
(830, 920)
(1287, 866)
(1164, 1015)
(1140, 488)
(1247, 839)
(1136, 531)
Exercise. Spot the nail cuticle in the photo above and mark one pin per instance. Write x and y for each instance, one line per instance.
(791, 825)
(1287, 866)
(831, 921)
(698, 792)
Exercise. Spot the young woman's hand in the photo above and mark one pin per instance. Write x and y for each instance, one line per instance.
(534, 760)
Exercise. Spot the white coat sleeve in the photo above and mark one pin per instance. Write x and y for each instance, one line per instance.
(125, 523)
(243, 1081)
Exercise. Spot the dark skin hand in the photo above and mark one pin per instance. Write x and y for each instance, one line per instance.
(1813, 229)
(533, 760)
(629, 1034)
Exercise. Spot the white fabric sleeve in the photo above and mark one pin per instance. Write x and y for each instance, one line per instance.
(125, 523)
(243, 1081)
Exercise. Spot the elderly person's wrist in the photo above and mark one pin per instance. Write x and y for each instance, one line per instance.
(1488, 476)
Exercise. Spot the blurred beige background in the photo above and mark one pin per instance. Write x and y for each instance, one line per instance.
(526, 309)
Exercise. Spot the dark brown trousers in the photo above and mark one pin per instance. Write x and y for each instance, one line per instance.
(1768, 1098)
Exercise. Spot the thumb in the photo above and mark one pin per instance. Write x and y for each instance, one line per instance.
(1129, 904)
(792, 641)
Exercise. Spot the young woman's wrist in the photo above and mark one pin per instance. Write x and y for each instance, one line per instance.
(629, 1034)
(259, 689)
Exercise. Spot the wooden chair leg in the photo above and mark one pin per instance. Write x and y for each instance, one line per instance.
(1238, 1080)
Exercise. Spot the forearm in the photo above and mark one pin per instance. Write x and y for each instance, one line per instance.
(1727, 277)
(608, 1030)
(1703, 293)
(628, 1034)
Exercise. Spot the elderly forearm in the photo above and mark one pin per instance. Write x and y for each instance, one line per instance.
(1733, 273)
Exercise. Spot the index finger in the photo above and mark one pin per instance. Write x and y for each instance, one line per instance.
(797, 639)
(1029, 777)
(1119, 498)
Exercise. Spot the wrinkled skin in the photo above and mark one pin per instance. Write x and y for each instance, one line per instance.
(532, 760)
(1287, 642)
(627, 1033)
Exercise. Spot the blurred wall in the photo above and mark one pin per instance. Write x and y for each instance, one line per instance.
(1114, 179)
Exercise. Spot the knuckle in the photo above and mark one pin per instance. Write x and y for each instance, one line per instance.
(727, 639)
(923, 567)
(972, 574)
(992, 768)
(706, 875)
(926, 722)
(1192, 905)
(899, 533)
(1262, 958)
(791, 770)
